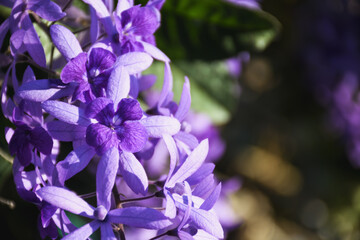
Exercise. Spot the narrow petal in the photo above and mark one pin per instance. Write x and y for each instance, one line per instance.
(118, 85)
(66, 132)
(202, 219)
(205, 170)
(156, 126)
(66, 112)
(107, 232)
(185, 101)
(212, 198)
(4, 28)
(45, 89)
(103, 14)
(171, 146)
(46, 9)
(167, 85)
(185, 236)
(189, 205)
(84, 232)
(105, 177)
(191, 164)
(66, 200)
(133, 136)
(155, 52)
(190, 140)
(33, 45)
(75, 162)
(134, 62)
(205, 186)
(139, 217)
(65, 41)
(133, 173)
(170, 208)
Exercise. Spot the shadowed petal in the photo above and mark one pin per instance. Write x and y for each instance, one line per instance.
(100, 59)
(75, 70)
(107, 232)
(65, 41)
(33, 44)
(139, 217)
(66, 200)
(84, 232)
(156, 126)
(101, 109)
(171, 146)
(46, 9)
(41, 139)
(133, 173)
(105, 177)
(66, 132)
(191, 164)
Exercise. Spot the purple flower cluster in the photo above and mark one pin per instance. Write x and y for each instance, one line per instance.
(96, 104)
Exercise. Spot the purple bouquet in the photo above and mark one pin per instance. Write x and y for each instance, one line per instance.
(95, 102)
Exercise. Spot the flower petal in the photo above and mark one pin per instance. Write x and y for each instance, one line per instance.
(65, 199)
(155, 52)
(156, 126)
(75, 161)
(139, 217)
(191, 164)
(41, 139)
(129, 109)
(105, 177)
(107, 232)
(101, 138)
(101, 109)
(118, 85)
(66, 112)
(185, 101)
(65, 41)
(134, 62)
(133, 173)
(46, 9)
(84, 232)
(212, 198)
(75, 70)
(66, 132)
(133, 136)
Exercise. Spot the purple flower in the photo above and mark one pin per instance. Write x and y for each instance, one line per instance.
(91, 72)
(120, 129)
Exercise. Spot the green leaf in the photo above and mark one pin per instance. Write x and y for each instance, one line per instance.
(213, 29)
(201, 101)
(5, 167)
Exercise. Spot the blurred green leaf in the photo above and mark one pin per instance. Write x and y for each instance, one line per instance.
(213, 29)
(5, 167)
(201, 101)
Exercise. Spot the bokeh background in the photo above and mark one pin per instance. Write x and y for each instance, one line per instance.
(288, 112)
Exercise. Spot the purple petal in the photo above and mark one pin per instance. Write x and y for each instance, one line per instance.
(94, 26)
(105, 177)
(75, 162)
(139, 217)
(103, 14)
(171, 146)
(129, 109)
(144, 20)
(16, 41)
(41, 139)
(66, 112)
(155, 52)
(100, 59)
(122, 6)
(212, 198)
(189, 205)
(191, 164)
(205, 170)
(46, 213)
(156, 126)
(132, 136)
(185, 236)
(185, 101)
(66, 200)
(107, 232)
(205, 186)
(101, 109)
(146, 82)
(66, 132)
(65, 41)
(134, 62)
(33, 44)
(170, 208)
(46, 9)
(75, 70)
(187, 138)
(133, 173)
(101, 137)
(118, 85)
(45, 89)
(84, 232)
(167, 85)
(202, 219)
(4, 28)
(29, 75)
